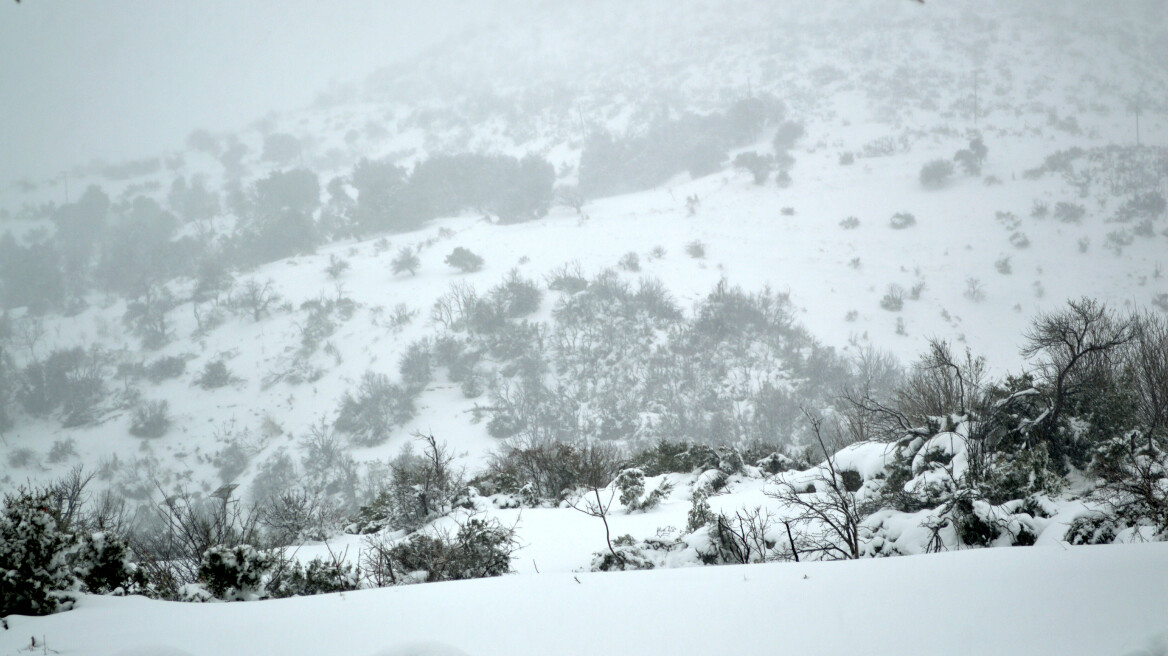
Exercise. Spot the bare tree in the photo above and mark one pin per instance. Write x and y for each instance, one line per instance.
(595, 507)
(256, 299)
(1074, 347)
(828, 519)
(942, 384)
(183, 527)
(1147, 357)
(742, 537)
(570, 196)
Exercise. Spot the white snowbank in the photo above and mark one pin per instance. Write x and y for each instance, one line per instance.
(1037, 600)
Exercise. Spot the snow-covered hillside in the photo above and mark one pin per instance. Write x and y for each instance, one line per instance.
(869, 178)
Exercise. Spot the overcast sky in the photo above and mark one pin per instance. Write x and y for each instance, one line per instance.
(131, 78)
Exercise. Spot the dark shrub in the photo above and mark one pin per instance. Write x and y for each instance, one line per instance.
(214, 375)
(165, 368)
(234, 573)
(378, 407)
(936, 173)
(150, 419)
(464, 260)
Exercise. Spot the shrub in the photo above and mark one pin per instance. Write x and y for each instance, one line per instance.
(336, 267)
(847, 159)
(902, 220)
(516, 297)
(974, 290)
(568, 278)
(167, 367)
(549, 469)
(759, 166)
(234, 573)
(630, 262)
(695, 249)
(1069, 212)
(69, 379)
(850, 223)
(416, 371)
(295, 515)
(464, 260)
(1092, 529)
(378, 407)
(480, 548)
(893, 299)
(631, 485)
(62, 450)
(294, 579)
(421, 487)
(406, 260)
(214, 375)
(936, 173)
(43, 555)
(788, 133)
(150, 419)
(30, 556)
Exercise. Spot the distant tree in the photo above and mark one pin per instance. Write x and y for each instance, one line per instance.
(232, 159)
(380, 205)
(570, 196)
(464, 260)
(30, 277)
(282, 223)
(936, 173)
(138, 251)
(406, 260)
(192, 202)
(759, 166)
(202, 141)
(281, 148)
(971, 159)
(80, 228)
(788, 133)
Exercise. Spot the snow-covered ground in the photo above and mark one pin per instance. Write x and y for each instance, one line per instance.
(1041, 600)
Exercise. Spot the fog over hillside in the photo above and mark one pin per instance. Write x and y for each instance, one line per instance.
(304, 298)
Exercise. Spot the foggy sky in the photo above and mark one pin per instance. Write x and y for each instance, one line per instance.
(131, 78)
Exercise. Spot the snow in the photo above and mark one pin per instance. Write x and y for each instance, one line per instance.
(1037, 600)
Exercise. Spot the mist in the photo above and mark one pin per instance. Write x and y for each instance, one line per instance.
(128, 78)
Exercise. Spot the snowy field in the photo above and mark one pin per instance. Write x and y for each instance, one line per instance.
(1091, 601)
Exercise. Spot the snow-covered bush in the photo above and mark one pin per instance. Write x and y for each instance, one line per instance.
(43, 557)
(291, 578)
(631, 485)
(235, 573)
(33, 571)
(480, 548)
(421, 487)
